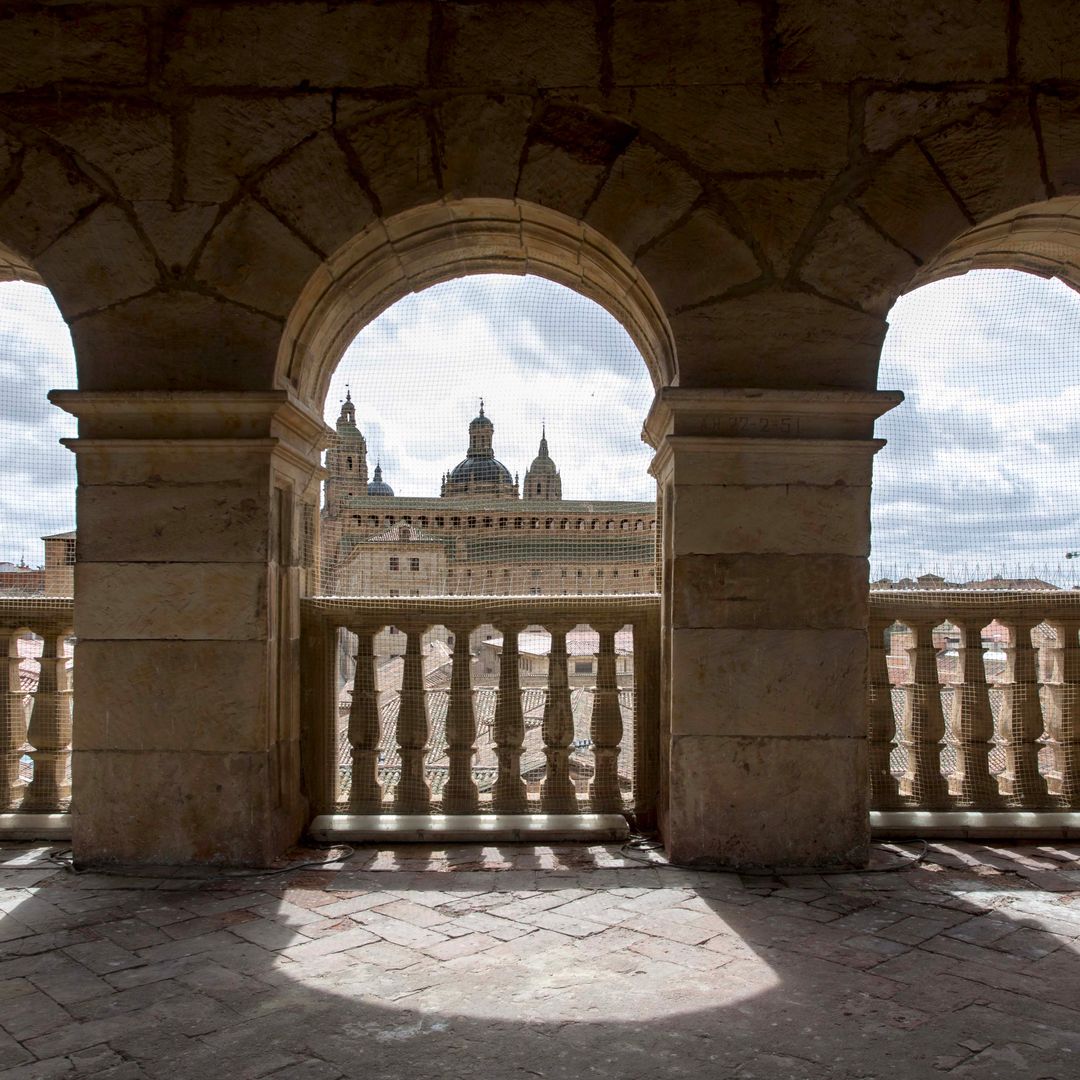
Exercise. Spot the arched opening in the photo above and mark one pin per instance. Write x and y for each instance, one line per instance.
(416, 384)
(37, 547)
(438, 243)
(975, 605)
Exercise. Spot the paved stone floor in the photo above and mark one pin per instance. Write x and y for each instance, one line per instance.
(572, 961)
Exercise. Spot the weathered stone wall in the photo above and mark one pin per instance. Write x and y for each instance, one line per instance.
(747, 185)
(170, 168)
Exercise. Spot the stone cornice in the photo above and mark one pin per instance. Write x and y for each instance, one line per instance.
(759, 414)
(193, 415)
(803, 448)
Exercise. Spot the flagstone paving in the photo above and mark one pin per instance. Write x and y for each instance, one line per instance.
(568, 961)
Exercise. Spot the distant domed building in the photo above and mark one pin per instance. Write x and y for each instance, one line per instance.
(378, 486)
(481, 536)
(481, 475)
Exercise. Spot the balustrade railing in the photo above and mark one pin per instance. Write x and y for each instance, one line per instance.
(35, 704)
(974, 700)
(402, 715)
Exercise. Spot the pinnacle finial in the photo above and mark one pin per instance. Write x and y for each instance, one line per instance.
(348, 393)
(481, 406)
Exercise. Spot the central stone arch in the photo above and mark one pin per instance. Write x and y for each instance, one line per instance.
(435, 243)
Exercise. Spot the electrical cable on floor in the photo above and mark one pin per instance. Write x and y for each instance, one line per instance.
(641, 843)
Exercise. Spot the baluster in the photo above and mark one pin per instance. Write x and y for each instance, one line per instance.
(884, 788)
(49, 731)
(461, 795)
(557, 796)
(973, 721)
(1066, 722)
(1021, 719)
(365, 795)
(508, 796)
(413, 792)
(604, 793)
(924, 722)
(12, 726)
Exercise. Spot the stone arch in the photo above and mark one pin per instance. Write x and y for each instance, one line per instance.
(450, 239)
(1040, 238)
(14, 267)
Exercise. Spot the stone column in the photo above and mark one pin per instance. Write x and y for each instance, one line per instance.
(197, 519)
(766, 530)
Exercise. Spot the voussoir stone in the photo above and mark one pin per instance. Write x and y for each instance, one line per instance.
(846, 239)
(991, 160)
(909, 202)
(700, 258)
(318, 164)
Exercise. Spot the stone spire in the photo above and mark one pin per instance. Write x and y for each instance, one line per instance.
(542, 481)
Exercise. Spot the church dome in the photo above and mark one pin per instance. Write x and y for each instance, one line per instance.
(480, 470)
(481, 474)
(378, 486)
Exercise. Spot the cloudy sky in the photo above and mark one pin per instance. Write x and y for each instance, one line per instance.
(534, 351)
(981, 474)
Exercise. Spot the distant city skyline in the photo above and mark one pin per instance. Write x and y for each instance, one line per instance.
(979, 475)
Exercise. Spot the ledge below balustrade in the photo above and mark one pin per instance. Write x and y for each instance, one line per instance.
(975, 825)
(18, 825)
(470, 828)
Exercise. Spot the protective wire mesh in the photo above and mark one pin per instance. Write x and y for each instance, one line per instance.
(37, 552)
(488, 530)
(975, 680)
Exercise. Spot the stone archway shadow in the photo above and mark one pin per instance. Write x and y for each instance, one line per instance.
(791, 982)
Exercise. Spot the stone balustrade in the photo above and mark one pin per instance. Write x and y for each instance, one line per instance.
(974, 700)
(419, 734)
(35, 704)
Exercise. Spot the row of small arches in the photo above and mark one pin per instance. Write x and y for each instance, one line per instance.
(557, 524)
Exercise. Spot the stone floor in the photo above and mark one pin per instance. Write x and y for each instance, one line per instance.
(543, 962)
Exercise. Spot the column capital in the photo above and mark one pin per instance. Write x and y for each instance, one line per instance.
(750, 413)
(149, 422)
(193, 414)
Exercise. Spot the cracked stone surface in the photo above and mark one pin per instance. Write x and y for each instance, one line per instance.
(566, 961)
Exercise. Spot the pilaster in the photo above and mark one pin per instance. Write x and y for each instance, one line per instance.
(766, 534)
(197, 528)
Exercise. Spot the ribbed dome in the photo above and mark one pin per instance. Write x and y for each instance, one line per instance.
(480, 470)
(378, 486)
(481, 474)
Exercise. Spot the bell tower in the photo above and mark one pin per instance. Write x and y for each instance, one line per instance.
(346, 460)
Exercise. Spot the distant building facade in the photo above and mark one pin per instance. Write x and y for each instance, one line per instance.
(483, 535)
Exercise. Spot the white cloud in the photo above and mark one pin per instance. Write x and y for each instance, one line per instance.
(535, 352)
(980, 474)
(981, 468)
(37, 496)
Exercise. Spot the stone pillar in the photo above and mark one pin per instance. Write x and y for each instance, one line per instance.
(766, 531)
(197, 518)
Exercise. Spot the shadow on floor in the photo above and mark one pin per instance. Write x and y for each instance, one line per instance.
(577, 971)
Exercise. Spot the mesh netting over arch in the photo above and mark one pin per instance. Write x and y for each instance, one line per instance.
(975, 590)
(487, 507)
(37, 551)
(979, 476)
(488, 443)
